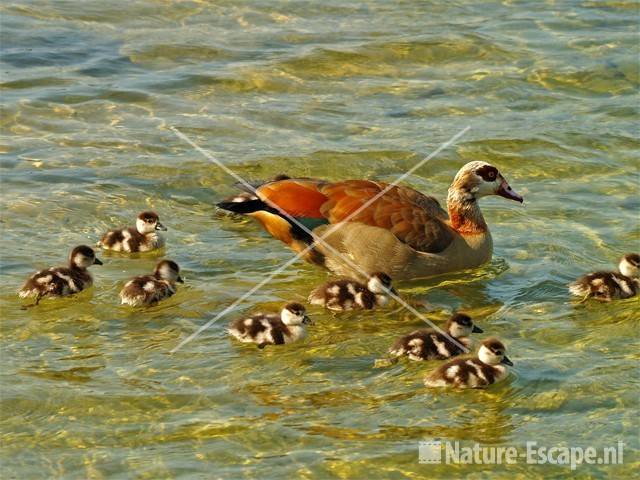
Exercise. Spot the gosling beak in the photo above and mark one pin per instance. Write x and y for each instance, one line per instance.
(179, 280)
(393, 290)
(307, 321)
(505, 190)
(477, 329)
(160, 226)
(506, 361)
(97, 261)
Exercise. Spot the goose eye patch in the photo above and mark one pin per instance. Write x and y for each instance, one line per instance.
(488, 173)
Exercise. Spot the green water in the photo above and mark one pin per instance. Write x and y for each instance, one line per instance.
(336, 90)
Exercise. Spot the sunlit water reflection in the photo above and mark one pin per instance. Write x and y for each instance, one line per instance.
(332, 90)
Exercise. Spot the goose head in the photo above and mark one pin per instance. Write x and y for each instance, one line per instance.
(460, 325)
(492, 352)
(630, 265)
(83, 257)
(380, 284)
(168, 270)
(480, 179)
(149, 222)
(294, 314)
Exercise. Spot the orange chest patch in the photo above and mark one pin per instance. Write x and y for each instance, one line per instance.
(465, 225)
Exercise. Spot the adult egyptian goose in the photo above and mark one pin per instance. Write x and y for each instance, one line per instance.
(403, 233)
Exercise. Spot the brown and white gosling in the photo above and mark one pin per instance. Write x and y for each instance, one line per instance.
(430, 344)
(489, 367)
(150, 289)
(342, 295)
(143, 238)
(607, 286)
(270, 328)
(62, 281)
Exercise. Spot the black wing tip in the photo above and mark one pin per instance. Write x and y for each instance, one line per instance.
(248, 206)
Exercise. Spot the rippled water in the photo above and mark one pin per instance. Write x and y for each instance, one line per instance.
(335, 90)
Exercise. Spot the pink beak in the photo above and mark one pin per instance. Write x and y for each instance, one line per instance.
(505, 190)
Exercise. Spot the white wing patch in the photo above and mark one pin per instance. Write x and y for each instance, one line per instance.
(69, 282)
(452, 371)
(440, 347)
(126, 242)
(624, 286)
(579, 289)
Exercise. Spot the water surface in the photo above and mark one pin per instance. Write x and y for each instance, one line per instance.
(334, 90)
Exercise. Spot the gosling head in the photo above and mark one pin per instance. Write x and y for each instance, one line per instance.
(149, 222)
(380, 283)
(460, 325)
(83, 257)
(492, 352)
(168, 270)
(479, 179)
(630, 265)
(294, 314)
